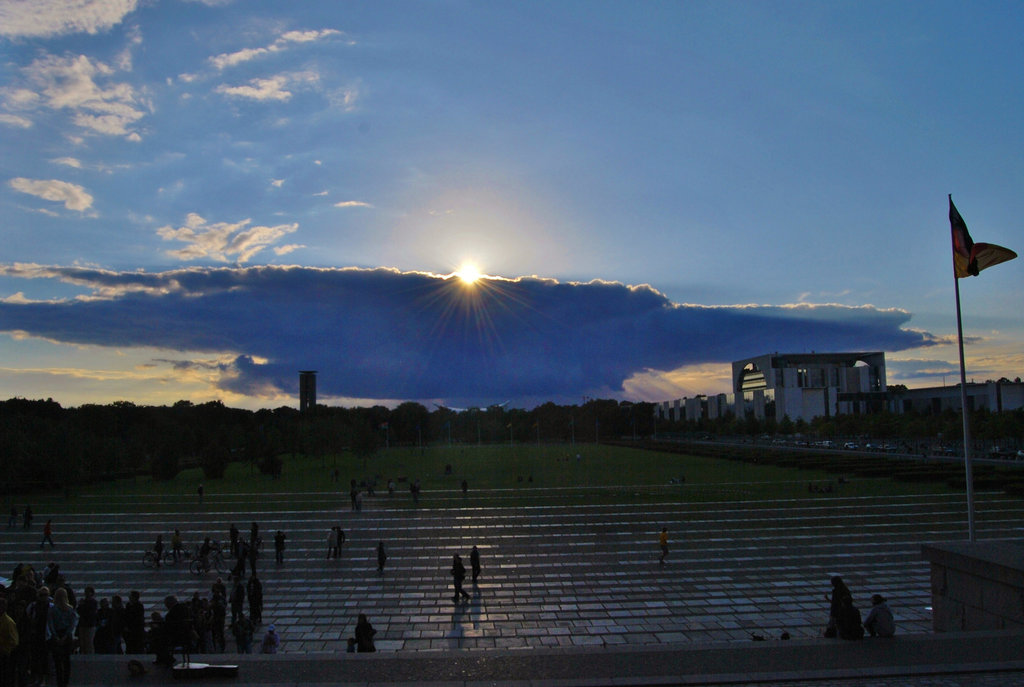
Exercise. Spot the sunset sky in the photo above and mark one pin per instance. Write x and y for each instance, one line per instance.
(201, 198)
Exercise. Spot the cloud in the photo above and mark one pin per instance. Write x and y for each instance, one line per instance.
(385, 334)
(274, 88)
(44, 18)
(67, 162)
(350, 203)
(73, 196)
(222, 241)
(16, 121)
(226, 60)
(83, 87)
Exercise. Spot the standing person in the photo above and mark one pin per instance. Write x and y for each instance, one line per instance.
(237, 599)
(233, 534)
(279, 547)
(27, 517)
(103, 641)
(465, 488)
(88, 620)
(134, 624)
(382, 557)
(352, 492)
(254, 535)
(364, 634)
(200, 492)
(255, 592)
(47, 533)
(38, 615)
(341, 540)
(243, 555)
(243, 629)
(218, 619)
(663, 543)
(879, 622)
(252, 554)
(176, 545)
(117, 623)
(8, 643)
(60, 635)
(474, 562)
(458, 575)
(158, 549)
(839, 592)
(332, 543)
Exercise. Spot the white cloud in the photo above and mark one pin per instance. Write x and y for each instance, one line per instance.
(71, 83)
(274, 88)
(259, 89)
(16, 120)
(43, 18)
(285, 250)
(73, 196)
(352, 204)
(68, 162)
(225, 60)
(277, 183)
(222, 241)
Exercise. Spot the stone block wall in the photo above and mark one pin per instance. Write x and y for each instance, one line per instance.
(976, 586)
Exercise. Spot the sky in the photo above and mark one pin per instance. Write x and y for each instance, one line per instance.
(468, 203)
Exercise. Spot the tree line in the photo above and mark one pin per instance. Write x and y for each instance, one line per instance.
(44, 445)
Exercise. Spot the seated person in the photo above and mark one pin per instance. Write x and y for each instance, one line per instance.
(880, 622)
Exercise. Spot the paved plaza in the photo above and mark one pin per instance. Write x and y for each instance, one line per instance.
(554, 577)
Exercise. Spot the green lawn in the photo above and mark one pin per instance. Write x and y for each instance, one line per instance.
(497, 475)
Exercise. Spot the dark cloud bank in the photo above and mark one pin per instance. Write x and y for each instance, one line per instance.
(386, 334)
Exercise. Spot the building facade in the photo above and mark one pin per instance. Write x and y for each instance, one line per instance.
(307, 390)
(809, 385)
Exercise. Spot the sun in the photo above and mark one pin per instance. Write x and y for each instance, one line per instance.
(468, 273)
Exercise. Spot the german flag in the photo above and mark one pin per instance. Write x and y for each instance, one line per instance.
(970, 258)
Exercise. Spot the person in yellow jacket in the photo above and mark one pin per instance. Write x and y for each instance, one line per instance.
(8, 642)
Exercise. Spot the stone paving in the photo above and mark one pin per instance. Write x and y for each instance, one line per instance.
(553, 576)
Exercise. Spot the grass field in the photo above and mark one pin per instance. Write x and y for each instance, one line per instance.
(499, 475)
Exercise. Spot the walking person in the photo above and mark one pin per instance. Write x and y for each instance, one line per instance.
(61, 623)
(474, 562)
(382, 557)
(332, 543)
(47, 533)
(158, 549)
(663, 543)
(27, 517)
(458, 575)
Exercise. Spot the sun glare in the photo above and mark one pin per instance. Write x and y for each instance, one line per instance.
(468, 273)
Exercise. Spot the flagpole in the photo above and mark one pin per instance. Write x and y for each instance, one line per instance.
(966, 419)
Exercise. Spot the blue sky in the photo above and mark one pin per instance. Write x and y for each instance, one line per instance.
(201, 198)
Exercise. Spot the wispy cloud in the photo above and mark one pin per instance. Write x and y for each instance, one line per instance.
(16, 121)
(382, 333)
(273, 88)
(44, 18)
(351, 204)
(83, 87)
(73, 196)
(226, 60)
(222, 241)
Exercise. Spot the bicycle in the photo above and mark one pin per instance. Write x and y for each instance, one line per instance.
(215, 562)
(150, 559)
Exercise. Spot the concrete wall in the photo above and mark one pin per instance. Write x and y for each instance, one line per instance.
(977, 586)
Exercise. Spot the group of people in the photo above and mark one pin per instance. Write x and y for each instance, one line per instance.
(844, 619)
(43, 622)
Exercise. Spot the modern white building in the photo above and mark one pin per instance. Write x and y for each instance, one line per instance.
(809, 385)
